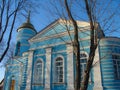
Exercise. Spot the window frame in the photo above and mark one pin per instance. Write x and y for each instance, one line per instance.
(82, 52)
(116, 65)
(57, 81)
(34, 72)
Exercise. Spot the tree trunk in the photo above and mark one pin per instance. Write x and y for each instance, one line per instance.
(11, 30)
(93, 46)
(76, 48)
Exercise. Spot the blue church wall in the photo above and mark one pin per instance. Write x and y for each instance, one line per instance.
(108, 48)
(58, 28)
(84, 43)
(26, 31)
(59, 48)
(84, 34)
(87, 50)
(22, 49)
(50, 41)
(58, 40)
(39, 51)
(37, 87)
(53, 42)
(16, 68)
(24, 73)
(59, 87)
(12, 73)
(9, 79)
(55, 54)
(23, 36)
(40, 54)
(91, 78)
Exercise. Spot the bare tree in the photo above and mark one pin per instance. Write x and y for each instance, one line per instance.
(94, 12)
(76, 47)
(9, 11)
(90, 7)
(6, 4)
(93, 46)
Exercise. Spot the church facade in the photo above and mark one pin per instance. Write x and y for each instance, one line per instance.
(45, 60)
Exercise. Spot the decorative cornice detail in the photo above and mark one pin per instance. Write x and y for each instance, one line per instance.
(111, 39)
(109, 45)
(53, 36)
(62, 51)
(51, 45)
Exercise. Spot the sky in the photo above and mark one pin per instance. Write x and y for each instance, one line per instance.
(46, 11)
(2, 72)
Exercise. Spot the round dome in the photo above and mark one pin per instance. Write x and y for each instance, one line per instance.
(27, 25)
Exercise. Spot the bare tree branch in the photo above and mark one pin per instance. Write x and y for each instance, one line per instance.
(76, 47)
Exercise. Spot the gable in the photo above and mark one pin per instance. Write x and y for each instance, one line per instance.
(57, 27)
(54, 28)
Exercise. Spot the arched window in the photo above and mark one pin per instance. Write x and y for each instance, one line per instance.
(38, 72)
(83, 60)
(59, 67)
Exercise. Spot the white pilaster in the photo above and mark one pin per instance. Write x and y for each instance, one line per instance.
(70, 71)
(97, 72)
(29, 70)
(47, 68)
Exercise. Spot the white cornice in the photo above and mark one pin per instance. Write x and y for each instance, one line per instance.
(50, 45)
(62, 51)
(111, 39)
(112, 45)
(69, 22)
(55, 44)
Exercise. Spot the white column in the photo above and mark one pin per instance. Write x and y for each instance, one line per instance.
(48, 68)
(97, 72)
(70, 71)
(29, 70)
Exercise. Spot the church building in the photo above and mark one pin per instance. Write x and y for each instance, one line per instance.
(45, 61)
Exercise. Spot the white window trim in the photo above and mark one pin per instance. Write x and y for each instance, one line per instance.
(42, 71)
(83, 52)
(83, 63)
(63, 70)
